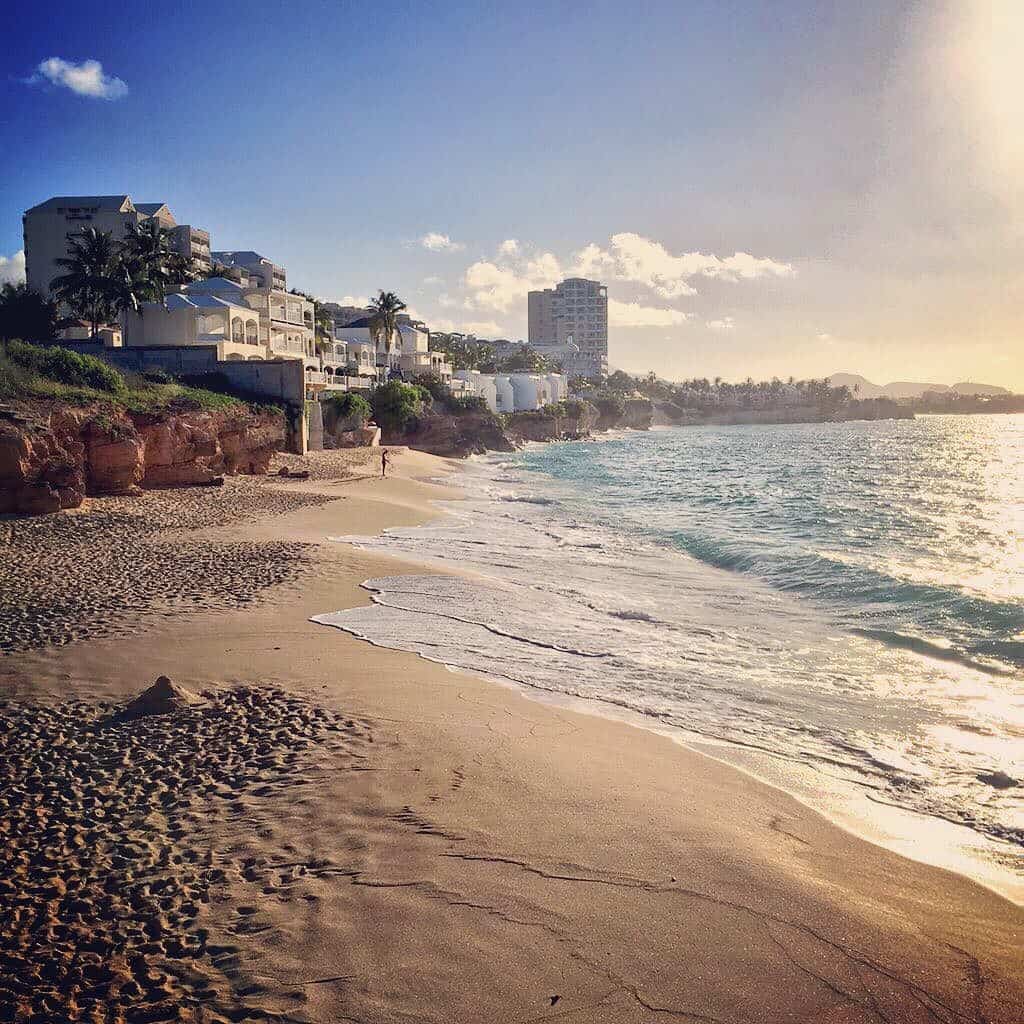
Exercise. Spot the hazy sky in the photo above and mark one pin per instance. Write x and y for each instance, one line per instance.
(778, 187)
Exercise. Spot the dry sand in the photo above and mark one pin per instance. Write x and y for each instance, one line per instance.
(342, 833)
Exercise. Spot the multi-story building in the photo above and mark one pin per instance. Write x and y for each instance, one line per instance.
(49, 227)
(408, 355)
(245, 322)
(254, 269)
(345, 315)
(194, 244)
(286, 325)
(572, 318)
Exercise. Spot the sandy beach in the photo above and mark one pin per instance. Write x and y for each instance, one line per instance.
(326, 831)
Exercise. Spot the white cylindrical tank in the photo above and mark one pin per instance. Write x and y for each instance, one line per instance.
(527, 391)
(481, 385)
(488, 391)
(504, 394)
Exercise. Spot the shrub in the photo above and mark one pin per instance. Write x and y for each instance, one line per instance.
(569, 407)
(67, 367)
(458, 404)
(349, 406)
(396, 405)
(157, 375)
(433, 386)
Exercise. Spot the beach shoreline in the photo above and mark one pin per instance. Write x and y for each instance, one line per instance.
(482, 854)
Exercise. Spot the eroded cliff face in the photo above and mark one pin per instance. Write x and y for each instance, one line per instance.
(547, 426)
(454, 436)
(442, 433)
(51, 458)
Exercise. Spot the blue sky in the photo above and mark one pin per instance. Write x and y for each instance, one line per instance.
(849, 152)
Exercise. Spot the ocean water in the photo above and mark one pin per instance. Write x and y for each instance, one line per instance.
(840, 604)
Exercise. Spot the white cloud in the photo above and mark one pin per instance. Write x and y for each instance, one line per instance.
(85, 79)
(633, 314)
(592, 261)
(505, 282)
(12, 268)
(434, 241)
(726, 323)
(353, 300)
(433, 279)
(640, 260)
(501, 283)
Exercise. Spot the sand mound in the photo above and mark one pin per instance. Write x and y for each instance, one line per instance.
(162, 698)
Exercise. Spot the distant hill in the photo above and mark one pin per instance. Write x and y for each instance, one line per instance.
(968, 388)
(908, 389)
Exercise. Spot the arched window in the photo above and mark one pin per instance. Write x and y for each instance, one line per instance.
(252, 332)
(210, 326)
(237, 330)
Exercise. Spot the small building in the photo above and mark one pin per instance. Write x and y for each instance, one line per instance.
(110, 335)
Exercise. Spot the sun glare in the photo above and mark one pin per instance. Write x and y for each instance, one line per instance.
(990, 52)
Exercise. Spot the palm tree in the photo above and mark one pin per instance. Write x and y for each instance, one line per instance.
(153, 267)
(94, 278)
(384, 322)
(323, 320)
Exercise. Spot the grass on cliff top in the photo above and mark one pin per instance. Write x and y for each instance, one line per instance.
(33, 372)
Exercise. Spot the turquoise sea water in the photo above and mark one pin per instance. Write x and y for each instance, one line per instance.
(845, 598)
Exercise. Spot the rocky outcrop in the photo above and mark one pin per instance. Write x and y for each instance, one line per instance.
(39, 471)
(567, 421)
(638, 414)
(52, 457)
(453, 435)
(474, 432)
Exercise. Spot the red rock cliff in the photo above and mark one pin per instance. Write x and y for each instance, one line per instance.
(50, 458)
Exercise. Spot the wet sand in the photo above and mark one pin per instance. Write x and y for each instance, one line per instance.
(343, 833)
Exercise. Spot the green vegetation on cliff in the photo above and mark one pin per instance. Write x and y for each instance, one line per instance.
(348, 405)
(59, 374)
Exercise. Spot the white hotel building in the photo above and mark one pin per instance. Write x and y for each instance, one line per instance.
(49, 226)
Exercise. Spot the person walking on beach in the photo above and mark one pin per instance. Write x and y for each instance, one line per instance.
(383, 463)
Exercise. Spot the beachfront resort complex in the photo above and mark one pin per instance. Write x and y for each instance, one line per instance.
(236, 306)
